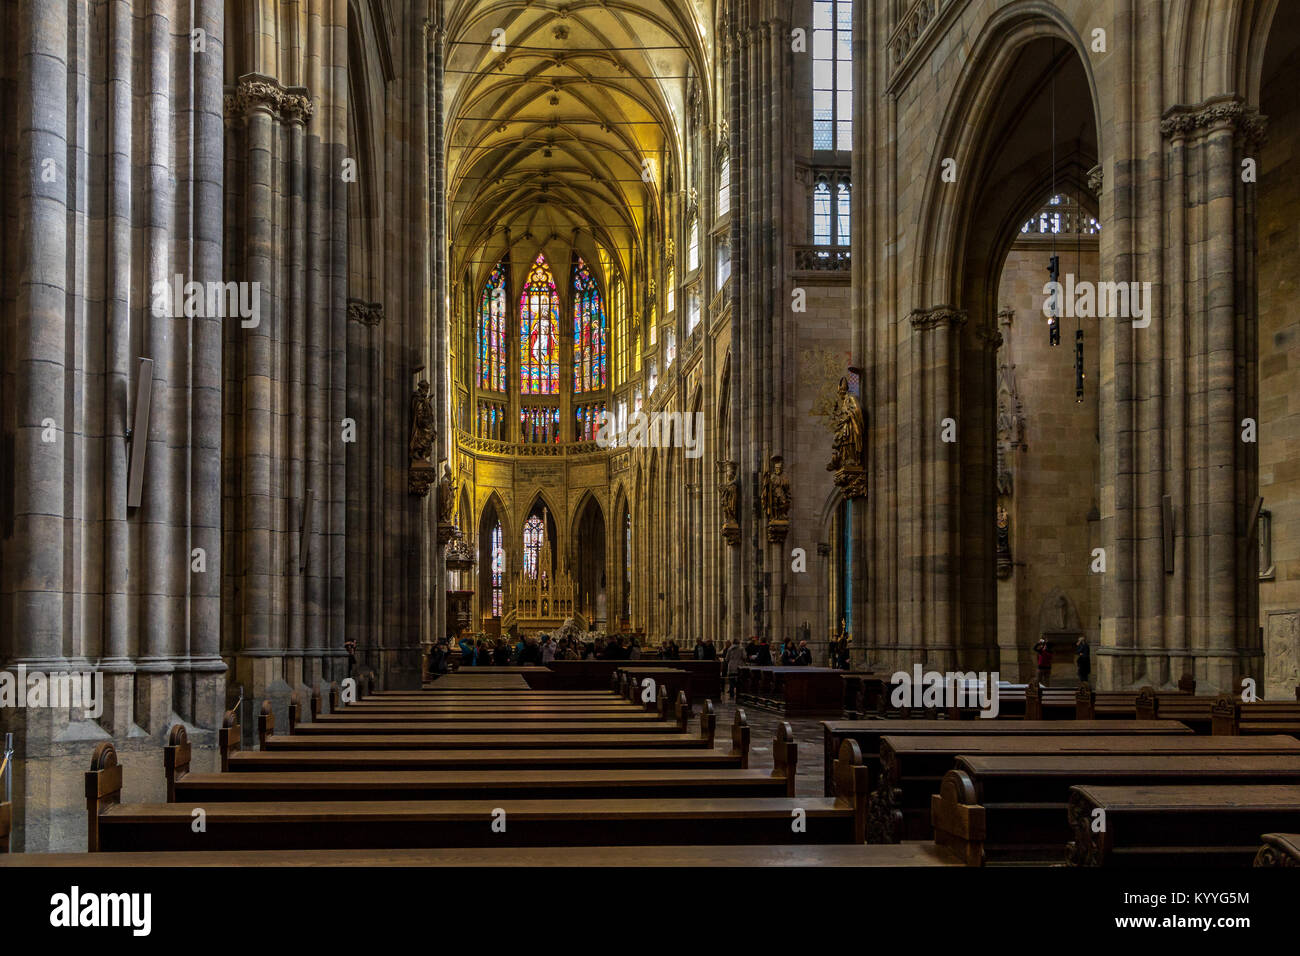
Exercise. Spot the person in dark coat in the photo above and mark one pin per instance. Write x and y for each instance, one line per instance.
(1083, 659)
(763, 656)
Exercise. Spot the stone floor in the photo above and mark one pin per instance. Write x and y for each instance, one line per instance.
(763, 724)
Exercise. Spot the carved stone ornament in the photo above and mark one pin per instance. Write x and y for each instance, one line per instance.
(926, 319)
(255, 91)
(422, 420)
(367, 313)
(421, 478)
(1226, 112)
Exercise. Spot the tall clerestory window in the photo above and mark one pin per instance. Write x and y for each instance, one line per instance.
(491, 366)
(498, 569)
(833, 74)
(589, 369)
(539, 327)
(831, 211)
(533, 534)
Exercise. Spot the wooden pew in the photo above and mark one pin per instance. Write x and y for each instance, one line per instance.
(592, 674)
(1195, 712)
(864, 694)
(792, 691)
(1230, 717)
(912, 768)
(354, 824)
(808, 855)
(622, 716)
(668, 683)
(546, 782)
(867, 733)
(506, 741)
(1279, 849)
(1177, 825)
(1049, 703)
(1013, 807)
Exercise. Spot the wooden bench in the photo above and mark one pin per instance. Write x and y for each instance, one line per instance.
(547, 782)
(992, 808)
(1195, 712)
(912, 768)
(668, 682)
(1230, 717)
(594, 674)
(864, 694)
(867, 733)
(808, 855)
(494, 741)
(1049, 703)
(357, 824)
(1177, 825)
(510, 715)
(1279, 849)
(793, 691)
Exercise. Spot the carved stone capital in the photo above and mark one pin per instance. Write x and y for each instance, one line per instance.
(423, 475)
(731, 533)
(257, 92)
(367, 313)
(1215, 115)
(777, 530)
(932, 318)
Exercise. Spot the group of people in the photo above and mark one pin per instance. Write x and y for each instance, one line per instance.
(1082, 659)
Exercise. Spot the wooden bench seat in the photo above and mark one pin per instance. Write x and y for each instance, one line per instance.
(911, 768)
(996, 808)
(1279, 849)
(810, 855)
(560, 759)
(356, 824)
(1230, 717)
(442, 784)
(1177, 825)
(1049, 703)
(867, 733)
(229, 737)
(545, 715)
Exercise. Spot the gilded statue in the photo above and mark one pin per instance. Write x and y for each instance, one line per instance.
(776, 491)
(846, 420)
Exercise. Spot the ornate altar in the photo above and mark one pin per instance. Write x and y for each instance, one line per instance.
(539, 601)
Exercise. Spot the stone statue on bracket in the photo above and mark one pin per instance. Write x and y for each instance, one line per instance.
(446, 505)
(847, 445)
(775, 494)
(729, 493)
(421, 423)
(422, 474)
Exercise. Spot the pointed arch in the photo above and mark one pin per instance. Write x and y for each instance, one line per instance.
(490, 330)
(589, 332)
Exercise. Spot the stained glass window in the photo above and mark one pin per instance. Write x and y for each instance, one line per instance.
(539, 424)
(498, 569)
(724, 187)
(670, 289)
(534, 531)
(589, 419)
(693, 246)
(539, 342)
(589, 353)
(491, 357)
(491, 420)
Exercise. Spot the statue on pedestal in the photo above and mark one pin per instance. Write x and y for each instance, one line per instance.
(422, 474)
(729, 492)
(775, 489)
(847, 444)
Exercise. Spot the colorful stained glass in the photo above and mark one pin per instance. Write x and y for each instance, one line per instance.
(491, 358)
(539, 424)
(498, 569)
(589, 353)
(589, 419)
(539, 332)
(534, 531)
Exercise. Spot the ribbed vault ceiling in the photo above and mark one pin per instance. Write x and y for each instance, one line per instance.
(547, 139)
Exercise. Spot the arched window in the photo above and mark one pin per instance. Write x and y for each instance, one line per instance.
(498, 569)
(833, 74)
(822, 214)
(534, 531)
(539, 326)
(724, 186)
(492, 332)
(589, 373)
(693, 246)
(670, 288)
(842, 214)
